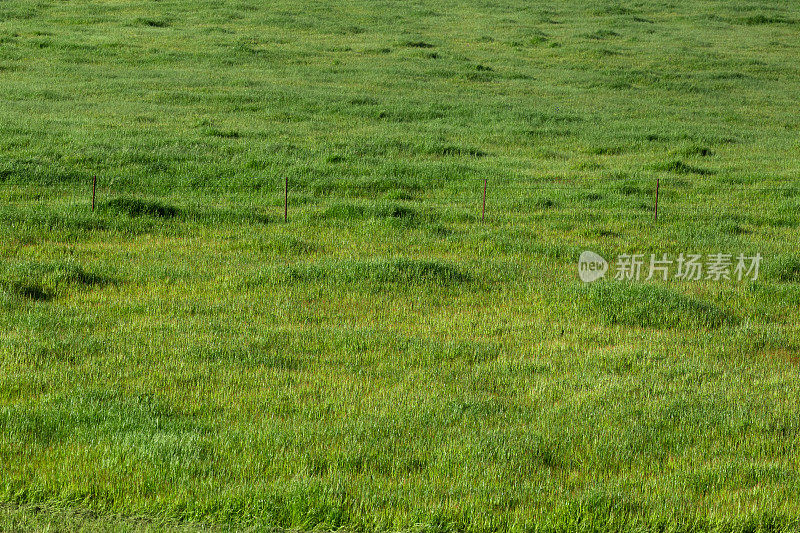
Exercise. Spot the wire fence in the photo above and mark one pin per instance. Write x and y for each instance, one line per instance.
(482, 199)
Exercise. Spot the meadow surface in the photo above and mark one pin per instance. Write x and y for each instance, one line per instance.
(181, 358)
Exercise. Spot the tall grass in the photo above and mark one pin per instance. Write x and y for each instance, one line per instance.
(181, 358)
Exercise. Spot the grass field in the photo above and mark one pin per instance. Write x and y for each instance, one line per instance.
(181, 358)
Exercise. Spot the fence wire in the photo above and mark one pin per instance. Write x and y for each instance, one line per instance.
(482, 198)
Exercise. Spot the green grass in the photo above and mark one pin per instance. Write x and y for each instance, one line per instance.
(181, 358)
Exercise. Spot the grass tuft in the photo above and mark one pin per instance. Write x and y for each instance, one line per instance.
(679, 167)
(762, 19)
(416, 44)
(396, 271)
(43, 281)
(136, 207)
(784, 268)
(653, 306)
(152, 22)
(389, 212)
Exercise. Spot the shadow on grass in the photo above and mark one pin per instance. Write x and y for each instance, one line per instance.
(652, 306)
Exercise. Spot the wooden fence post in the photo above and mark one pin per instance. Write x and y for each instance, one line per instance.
(658, 183)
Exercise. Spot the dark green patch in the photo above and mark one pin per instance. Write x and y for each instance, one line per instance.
(601, 34)
(632, 188)
(762, 19)
(397, 271)
(137, 207)
(87, 415)
(607, 150)
(153, 22)
(223, 133)
(43, 281)
(390, 212)
(679, 167)
(653, 306)
(417, 44)
(697, 151)
(784, 268)
(455, 151)
(29, 291)
(544, 203)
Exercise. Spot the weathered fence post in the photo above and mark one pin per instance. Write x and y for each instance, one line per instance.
(483, 216)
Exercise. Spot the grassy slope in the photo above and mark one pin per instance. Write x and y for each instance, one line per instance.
(385, 361)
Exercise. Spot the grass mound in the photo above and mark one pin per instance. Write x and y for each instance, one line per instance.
(545, 203)
(632, 188)
(785, 269)
(43, 281)
(764, 19)
(416, 44)
(679, 167)
(652, 306)
(450, 150)
(136, 207)
(396, 271)
(28, 291)
(87, 414)
(391, 212)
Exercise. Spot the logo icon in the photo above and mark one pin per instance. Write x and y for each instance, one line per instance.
(591, 267)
